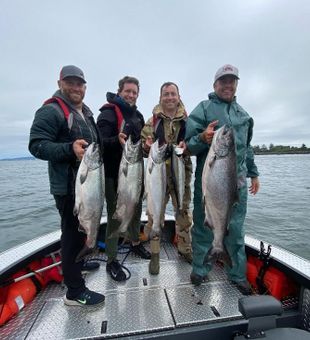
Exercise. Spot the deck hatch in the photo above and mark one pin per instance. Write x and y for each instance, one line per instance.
(124, 313)
(212, 301)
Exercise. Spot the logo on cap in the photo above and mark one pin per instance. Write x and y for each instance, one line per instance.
(226, 70)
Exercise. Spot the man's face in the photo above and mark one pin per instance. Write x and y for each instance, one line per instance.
(226, 87)
(129, 93)
(169, 98)
(73, 89)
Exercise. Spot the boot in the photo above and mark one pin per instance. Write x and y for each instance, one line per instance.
(154, 263)
(184, 245)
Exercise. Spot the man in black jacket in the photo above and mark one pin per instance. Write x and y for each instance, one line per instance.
(118, 119)
(61, 130)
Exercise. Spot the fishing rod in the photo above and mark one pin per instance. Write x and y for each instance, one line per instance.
(32, 273)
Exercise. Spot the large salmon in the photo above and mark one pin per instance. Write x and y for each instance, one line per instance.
(89, 196)
(156, 185)
(219, 188)
(178, 174)
(130, 184)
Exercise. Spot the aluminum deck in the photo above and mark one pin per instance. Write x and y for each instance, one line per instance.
(141, 306)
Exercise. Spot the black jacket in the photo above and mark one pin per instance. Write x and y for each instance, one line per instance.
(51, 139)
(108, 127)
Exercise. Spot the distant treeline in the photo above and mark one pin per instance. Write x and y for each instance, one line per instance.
(280, 149)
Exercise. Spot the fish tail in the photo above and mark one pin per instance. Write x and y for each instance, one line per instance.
(85, 251)
(154, 233)
(114, 234)
(215, 254)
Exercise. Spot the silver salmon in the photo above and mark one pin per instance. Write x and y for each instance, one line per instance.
(130, 184)
(178, 174)
(219, 188)
(155, 186)
(89, 196)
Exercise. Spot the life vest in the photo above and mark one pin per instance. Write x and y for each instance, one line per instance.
(267, 279)
(63, 107)
(64, 110)
(119, 115)
(15, 295)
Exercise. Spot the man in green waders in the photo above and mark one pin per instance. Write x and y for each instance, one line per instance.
(221, 109)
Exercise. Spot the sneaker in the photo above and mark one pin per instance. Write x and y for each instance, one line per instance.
(87, 298)
(197, 280)
(140, 251)
(154, 264)
(244, 287)
(90, 266)
(115, 270)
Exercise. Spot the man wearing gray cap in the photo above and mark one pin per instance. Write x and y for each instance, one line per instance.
(222, 109)
(61, 130)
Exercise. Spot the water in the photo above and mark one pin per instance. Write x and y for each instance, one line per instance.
(278, 214)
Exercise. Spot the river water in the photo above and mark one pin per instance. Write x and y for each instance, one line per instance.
(279, 214)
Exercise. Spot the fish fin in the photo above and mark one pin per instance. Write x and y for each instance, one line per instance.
(76, 209)
(150, 168)
(119, 212)
(82, 229)
(208, 224)
(114, 234)
(154, 234)
(125, 169)
(215, 254)
(212, 161)
(83, 176)
(85, 251)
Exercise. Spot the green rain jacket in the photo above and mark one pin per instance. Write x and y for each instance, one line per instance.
(226, 113)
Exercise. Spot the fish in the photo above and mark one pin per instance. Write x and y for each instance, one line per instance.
(220, 191)
(178, 174)
(130, 187)
(89, 196)
(155, 186)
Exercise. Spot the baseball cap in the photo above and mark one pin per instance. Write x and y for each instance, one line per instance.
(226, 70)
(72, 71)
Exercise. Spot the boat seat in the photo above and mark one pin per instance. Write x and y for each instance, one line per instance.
(261, 311)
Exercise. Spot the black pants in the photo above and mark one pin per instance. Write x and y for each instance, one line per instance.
(72, 241)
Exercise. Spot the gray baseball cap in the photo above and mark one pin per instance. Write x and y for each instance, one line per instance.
(226, 70)
(72, 71)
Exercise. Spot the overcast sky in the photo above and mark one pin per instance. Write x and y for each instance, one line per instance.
(184, 41)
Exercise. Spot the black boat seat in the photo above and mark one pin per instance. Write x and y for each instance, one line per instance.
(261, 311)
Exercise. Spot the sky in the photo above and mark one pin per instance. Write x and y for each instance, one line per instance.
(184, 41)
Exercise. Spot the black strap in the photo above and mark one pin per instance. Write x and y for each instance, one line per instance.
(264, 256)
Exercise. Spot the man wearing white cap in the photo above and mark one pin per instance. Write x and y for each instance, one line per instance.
(222, 109)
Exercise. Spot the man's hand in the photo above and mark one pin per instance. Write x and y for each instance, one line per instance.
(254, 187)
(207, 135)
(79, 148)
(122, 138)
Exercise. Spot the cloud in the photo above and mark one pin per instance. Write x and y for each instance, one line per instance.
(156, 41)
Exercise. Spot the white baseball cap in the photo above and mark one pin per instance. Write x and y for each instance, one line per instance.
(226, 70)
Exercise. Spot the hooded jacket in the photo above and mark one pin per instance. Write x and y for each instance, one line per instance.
(168, 130)
(107, 123)
(51, 139)
(226, 113)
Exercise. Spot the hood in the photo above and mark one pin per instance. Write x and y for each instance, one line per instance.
(86, 110)
(180, 114)
(213, 96)
(113, 98)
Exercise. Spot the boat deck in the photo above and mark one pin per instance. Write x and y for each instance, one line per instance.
(141, 306)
